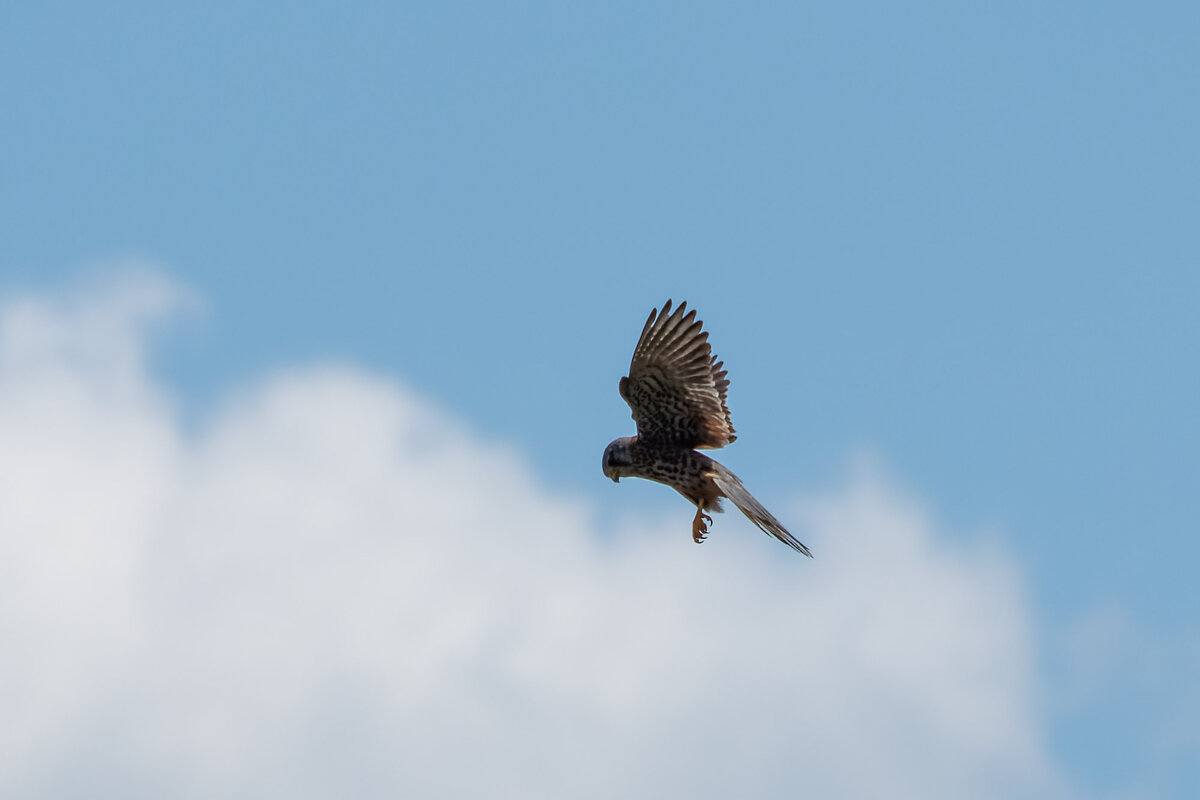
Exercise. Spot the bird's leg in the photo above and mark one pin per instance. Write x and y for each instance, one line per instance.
(699, 526)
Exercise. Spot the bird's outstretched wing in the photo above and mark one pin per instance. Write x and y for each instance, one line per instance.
(676, 387)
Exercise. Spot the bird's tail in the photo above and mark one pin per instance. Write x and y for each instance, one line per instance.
(732, 488)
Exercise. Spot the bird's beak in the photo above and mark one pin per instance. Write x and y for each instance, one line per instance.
(616, 479)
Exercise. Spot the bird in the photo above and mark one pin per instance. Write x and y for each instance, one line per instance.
(676, 391)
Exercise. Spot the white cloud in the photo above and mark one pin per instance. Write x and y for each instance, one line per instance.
(332, 588)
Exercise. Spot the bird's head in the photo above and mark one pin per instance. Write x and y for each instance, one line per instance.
(617, 459)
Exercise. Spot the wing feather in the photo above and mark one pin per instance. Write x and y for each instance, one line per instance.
(676, 387)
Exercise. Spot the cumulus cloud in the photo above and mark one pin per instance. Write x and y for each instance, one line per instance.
(332, 587)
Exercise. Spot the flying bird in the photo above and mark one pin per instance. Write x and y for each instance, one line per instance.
(676, 390)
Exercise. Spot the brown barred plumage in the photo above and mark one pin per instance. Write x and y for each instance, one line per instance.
(676, 391)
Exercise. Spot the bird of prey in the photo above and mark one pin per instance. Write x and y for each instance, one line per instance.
(676, 390)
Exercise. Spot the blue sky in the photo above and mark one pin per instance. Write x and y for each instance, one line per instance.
(959, 236)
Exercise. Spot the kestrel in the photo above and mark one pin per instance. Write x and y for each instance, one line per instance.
(676, 389)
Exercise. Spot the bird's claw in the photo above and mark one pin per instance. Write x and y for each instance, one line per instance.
(700, 527)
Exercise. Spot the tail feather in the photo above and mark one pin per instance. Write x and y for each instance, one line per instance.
(732, 488)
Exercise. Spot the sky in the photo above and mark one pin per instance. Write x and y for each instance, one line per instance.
(311, 321)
